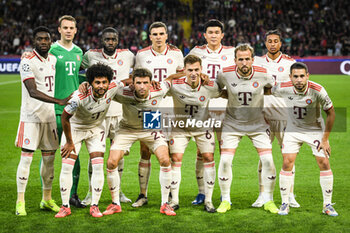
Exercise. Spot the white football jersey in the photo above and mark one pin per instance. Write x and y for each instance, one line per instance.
(88, 111)
(121, 62)
(43, 72)
(192, 103)
(245, 94)
(304, 108)
(275, 107)
(134, 107)
(214, 61)
(160, 64)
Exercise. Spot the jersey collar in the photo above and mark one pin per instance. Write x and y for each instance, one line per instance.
(143, 100)
(277, 60)
(247, 77)
(161, 53)
(114, 56)
(57, 42)
(214, 51)
(304, 92)
(42, 59)
(195, 89)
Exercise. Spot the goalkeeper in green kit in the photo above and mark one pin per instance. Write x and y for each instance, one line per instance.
(69, 57)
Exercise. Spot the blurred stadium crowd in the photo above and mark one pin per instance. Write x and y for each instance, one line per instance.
(309, 28)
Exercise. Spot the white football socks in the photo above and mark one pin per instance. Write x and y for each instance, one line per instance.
(200, 174)
(176, 180)
(286, 178)
(209, 180)
(165, 176)
(97, 179)
(66, 179)
(225, 175)
(326, 181)
(114, 184)
(144, 173)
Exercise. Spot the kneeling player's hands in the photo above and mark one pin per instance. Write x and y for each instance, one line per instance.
(155, 84)
(67, 149)
(65, 101)
(326, 147)
(84, 87)
(205, 79)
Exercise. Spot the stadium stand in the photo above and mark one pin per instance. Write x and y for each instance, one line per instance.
(311, 28)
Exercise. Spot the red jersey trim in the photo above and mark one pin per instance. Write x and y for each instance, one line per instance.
(286, 84)
(37, 55)
(67, 112)
(329, 108)
(259, 69)
(201, 47)
(315, 87)
(286, 57)
(28, 78)
(229, 69)
(144, 49)
(112, 85)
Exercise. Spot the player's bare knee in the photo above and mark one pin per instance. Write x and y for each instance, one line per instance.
(112, 163)
(323, 163)
(208, 157)
(176, 157)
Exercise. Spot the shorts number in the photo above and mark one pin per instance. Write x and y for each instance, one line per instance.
(208, 135)
(55, 133)
(103, 135)
(155, 133)
(317, 143)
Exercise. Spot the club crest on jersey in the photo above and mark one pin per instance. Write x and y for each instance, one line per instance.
(223, 57)
(308, 101)
(171, 141)
(255, 84)
(154, 102)
(152, 120)
(202, 98)
(120, 62)
(170, 61)
(108, 101)
(78, 57)
(280, 69)
(26, 141)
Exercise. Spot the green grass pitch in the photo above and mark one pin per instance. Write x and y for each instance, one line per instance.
(244, 190)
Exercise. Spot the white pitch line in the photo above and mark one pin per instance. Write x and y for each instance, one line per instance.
(9, 112)
(9, 82)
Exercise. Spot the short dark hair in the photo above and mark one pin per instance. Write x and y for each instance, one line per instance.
(273, 32)
(110, 29)
(244, 47)
(40, 29)
(99, 70)
(141, 72)
(158, 25)
(191, 59)
(214, 23)
(299, 66)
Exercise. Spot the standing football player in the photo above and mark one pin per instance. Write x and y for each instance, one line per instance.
(214, 57)
(305, 124)
(162, 60)
(121, 61)
(191, 100)
(37, 128)
(69, 57)
(275, 112)
(245, 85)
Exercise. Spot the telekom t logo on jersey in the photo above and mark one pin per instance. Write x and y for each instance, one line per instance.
(300, 112)
(49, 82)
(70, 67)
(159, 73)
(245, 97)
(213, 70)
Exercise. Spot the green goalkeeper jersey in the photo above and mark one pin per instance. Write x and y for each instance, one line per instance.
(67, 71)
